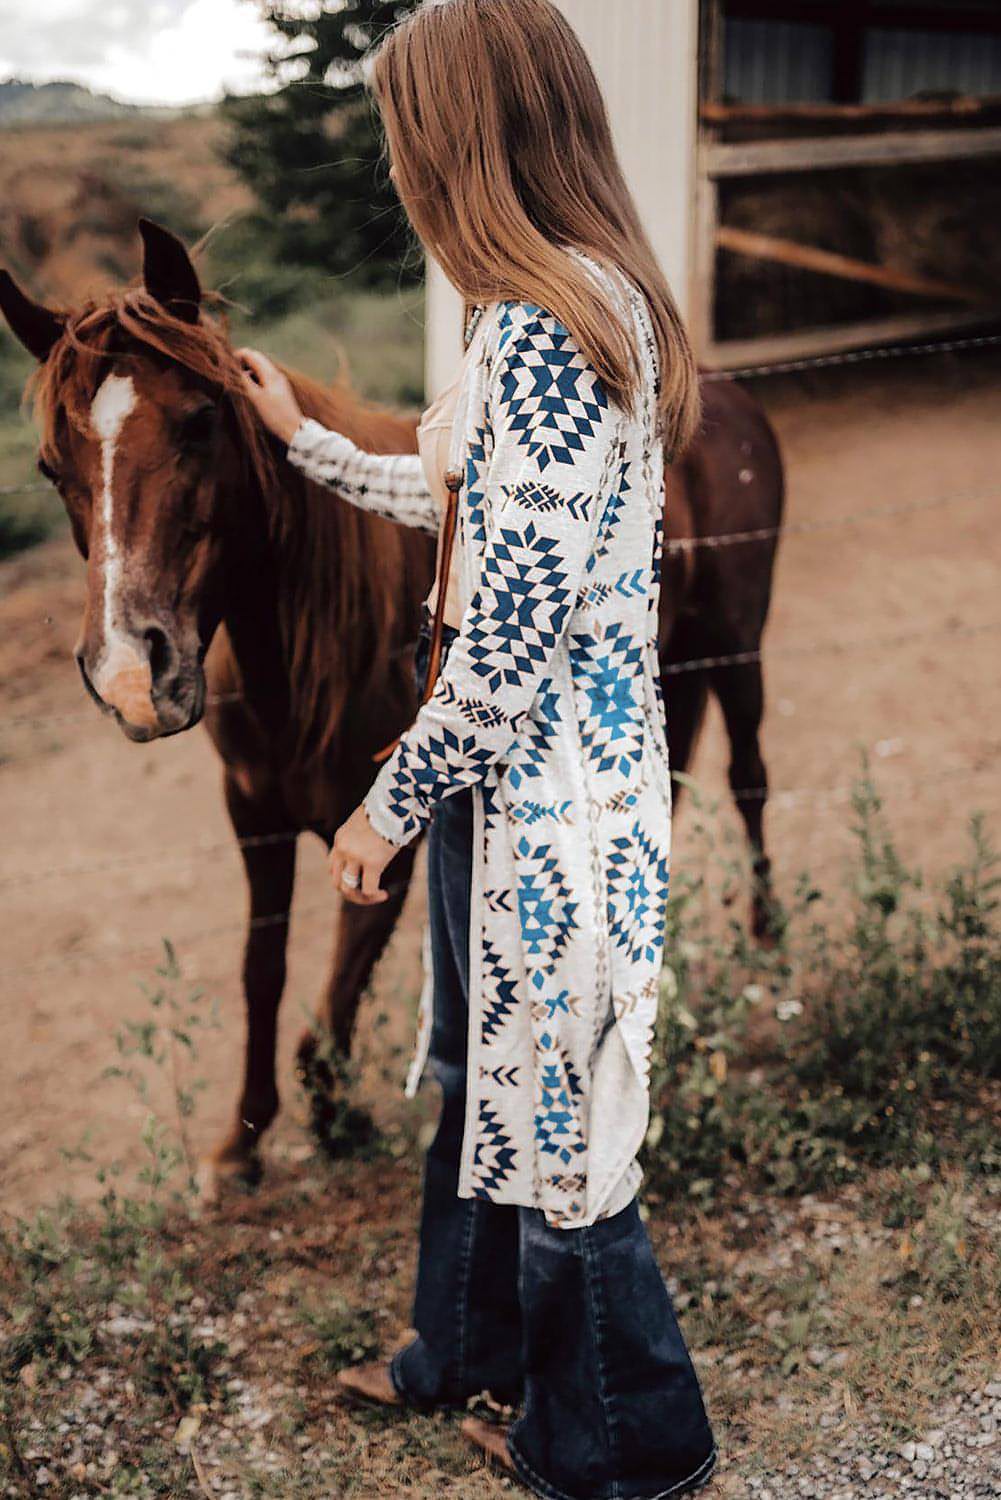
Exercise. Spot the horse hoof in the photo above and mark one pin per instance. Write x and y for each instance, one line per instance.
(217, 1173)
(339, 1129)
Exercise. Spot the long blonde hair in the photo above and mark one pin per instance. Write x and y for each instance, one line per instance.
(502, 155)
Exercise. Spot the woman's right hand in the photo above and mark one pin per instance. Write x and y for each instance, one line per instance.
(270, 392)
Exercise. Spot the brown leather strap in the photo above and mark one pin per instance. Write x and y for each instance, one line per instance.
(453, 484)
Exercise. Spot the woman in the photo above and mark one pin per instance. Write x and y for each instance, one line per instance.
(539, 762)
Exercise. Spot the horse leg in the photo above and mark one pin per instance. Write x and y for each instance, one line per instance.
(270, 869)
(740, 692)
(684, 698)
(361, 935)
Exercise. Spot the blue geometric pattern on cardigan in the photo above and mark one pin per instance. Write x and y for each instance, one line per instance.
(494, 1156)
(551, 398)
(608, 668)
(628, 585)
(503, 1077)
(477, 464)
(544, 499)
(474, 710)
(531, 813)
(518, 611)
(428, 768)
(638, 881)
(557, 1124)
(500, 992)
(545, 908)
(612, 514)
(538, 732)
(491, 806)
(561, 1004)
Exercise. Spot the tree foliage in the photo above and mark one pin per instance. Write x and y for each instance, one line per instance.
(311, 150)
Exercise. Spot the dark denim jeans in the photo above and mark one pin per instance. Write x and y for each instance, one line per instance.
(575, 1325)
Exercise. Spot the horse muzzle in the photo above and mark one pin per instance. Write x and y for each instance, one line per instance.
(152, 690)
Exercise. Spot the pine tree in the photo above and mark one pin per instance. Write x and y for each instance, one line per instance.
(312, 153)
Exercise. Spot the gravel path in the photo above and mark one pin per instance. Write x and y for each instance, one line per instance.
(959, 1459)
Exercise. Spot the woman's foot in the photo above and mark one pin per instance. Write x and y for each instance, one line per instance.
(490, 1440)
(372, 1384)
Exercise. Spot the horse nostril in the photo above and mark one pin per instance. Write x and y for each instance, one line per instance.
(85, 676)
(159, 652)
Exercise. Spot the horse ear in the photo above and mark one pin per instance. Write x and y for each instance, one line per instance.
(35, 326)
(168, 274)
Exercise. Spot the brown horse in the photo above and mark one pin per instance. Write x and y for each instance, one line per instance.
(221, 584)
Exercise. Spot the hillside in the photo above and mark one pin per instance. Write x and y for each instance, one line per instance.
(70, 197)
(59, 102)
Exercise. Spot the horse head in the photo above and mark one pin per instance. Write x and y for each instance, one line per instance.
(151, 444)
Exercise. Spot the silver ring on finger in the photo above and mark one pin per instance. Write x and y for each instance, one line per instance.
(350, 880)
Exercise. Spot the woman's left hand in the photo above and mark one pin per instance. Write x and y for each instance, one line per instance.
(357, 860)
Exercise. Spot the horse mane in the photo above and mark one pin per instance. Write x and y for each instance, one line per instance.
(348, 581)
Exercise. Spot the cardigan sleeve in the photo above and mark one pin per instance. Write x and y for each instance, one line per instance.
(553, 431)
(388, 484)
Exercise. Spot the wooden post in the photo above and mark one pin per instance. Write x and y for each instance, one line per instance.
(702, 307)
(852, 19)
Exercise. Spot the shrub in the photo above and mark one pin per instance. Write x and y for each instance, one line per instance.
(877, 1040)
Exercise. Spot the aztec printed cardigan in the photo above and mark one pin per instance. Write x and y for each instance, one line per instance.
(549, 706)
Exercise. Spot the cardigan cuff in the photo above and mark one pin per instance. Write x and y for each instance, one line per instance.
(385, 822)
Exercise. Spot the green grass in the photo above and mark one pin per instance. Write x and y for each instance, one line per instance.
(875, 1040)
(30, 514)
(375, 338)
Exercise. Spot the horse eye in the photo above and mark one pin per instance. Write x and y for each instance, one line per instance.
(198, 426)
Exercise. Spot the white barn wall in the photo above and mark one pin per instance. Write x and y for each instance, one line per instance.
(645, 53)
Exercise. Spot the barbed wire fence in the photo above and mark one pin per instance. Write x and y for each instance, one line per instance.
(829, 799)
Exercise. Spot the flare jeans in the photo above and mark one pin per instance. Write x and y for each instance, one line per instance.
(574, 1327)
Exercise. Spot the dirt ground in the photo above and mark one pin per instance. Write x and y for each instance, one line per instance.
(109, 847)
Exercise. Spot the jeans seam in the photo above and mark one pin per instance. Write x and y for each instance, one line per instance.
(592, 1277)
(465, 1262)
(695, 1480)
(534, 1481)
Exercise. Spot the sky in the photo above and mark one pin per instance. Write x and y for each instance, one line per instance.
(149, 51)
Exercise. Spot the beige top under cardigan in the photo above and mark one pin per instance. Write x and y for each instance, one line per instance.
(434, 444)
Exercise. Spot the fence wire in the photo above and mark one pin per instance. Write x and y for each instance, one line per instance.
(855, 357)
(832, 648)
(779, 798)
(833, 523)
(151, 945)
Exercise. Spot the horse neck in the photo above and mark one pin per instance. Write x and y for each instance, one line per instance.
(314, 616)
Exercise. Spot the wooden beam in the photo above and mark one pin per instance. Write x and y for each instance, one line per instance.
(702, 302)
(774, 349)
(912, 17)
(889, 148)
(965, 107)
(828, 263)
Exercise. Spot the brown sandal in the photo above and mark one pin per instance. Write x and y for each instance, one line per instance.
(371, 1384)
(491, 1440)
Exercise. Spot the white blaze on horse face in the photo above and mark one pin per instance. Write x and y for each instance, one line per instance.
(122, 675)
